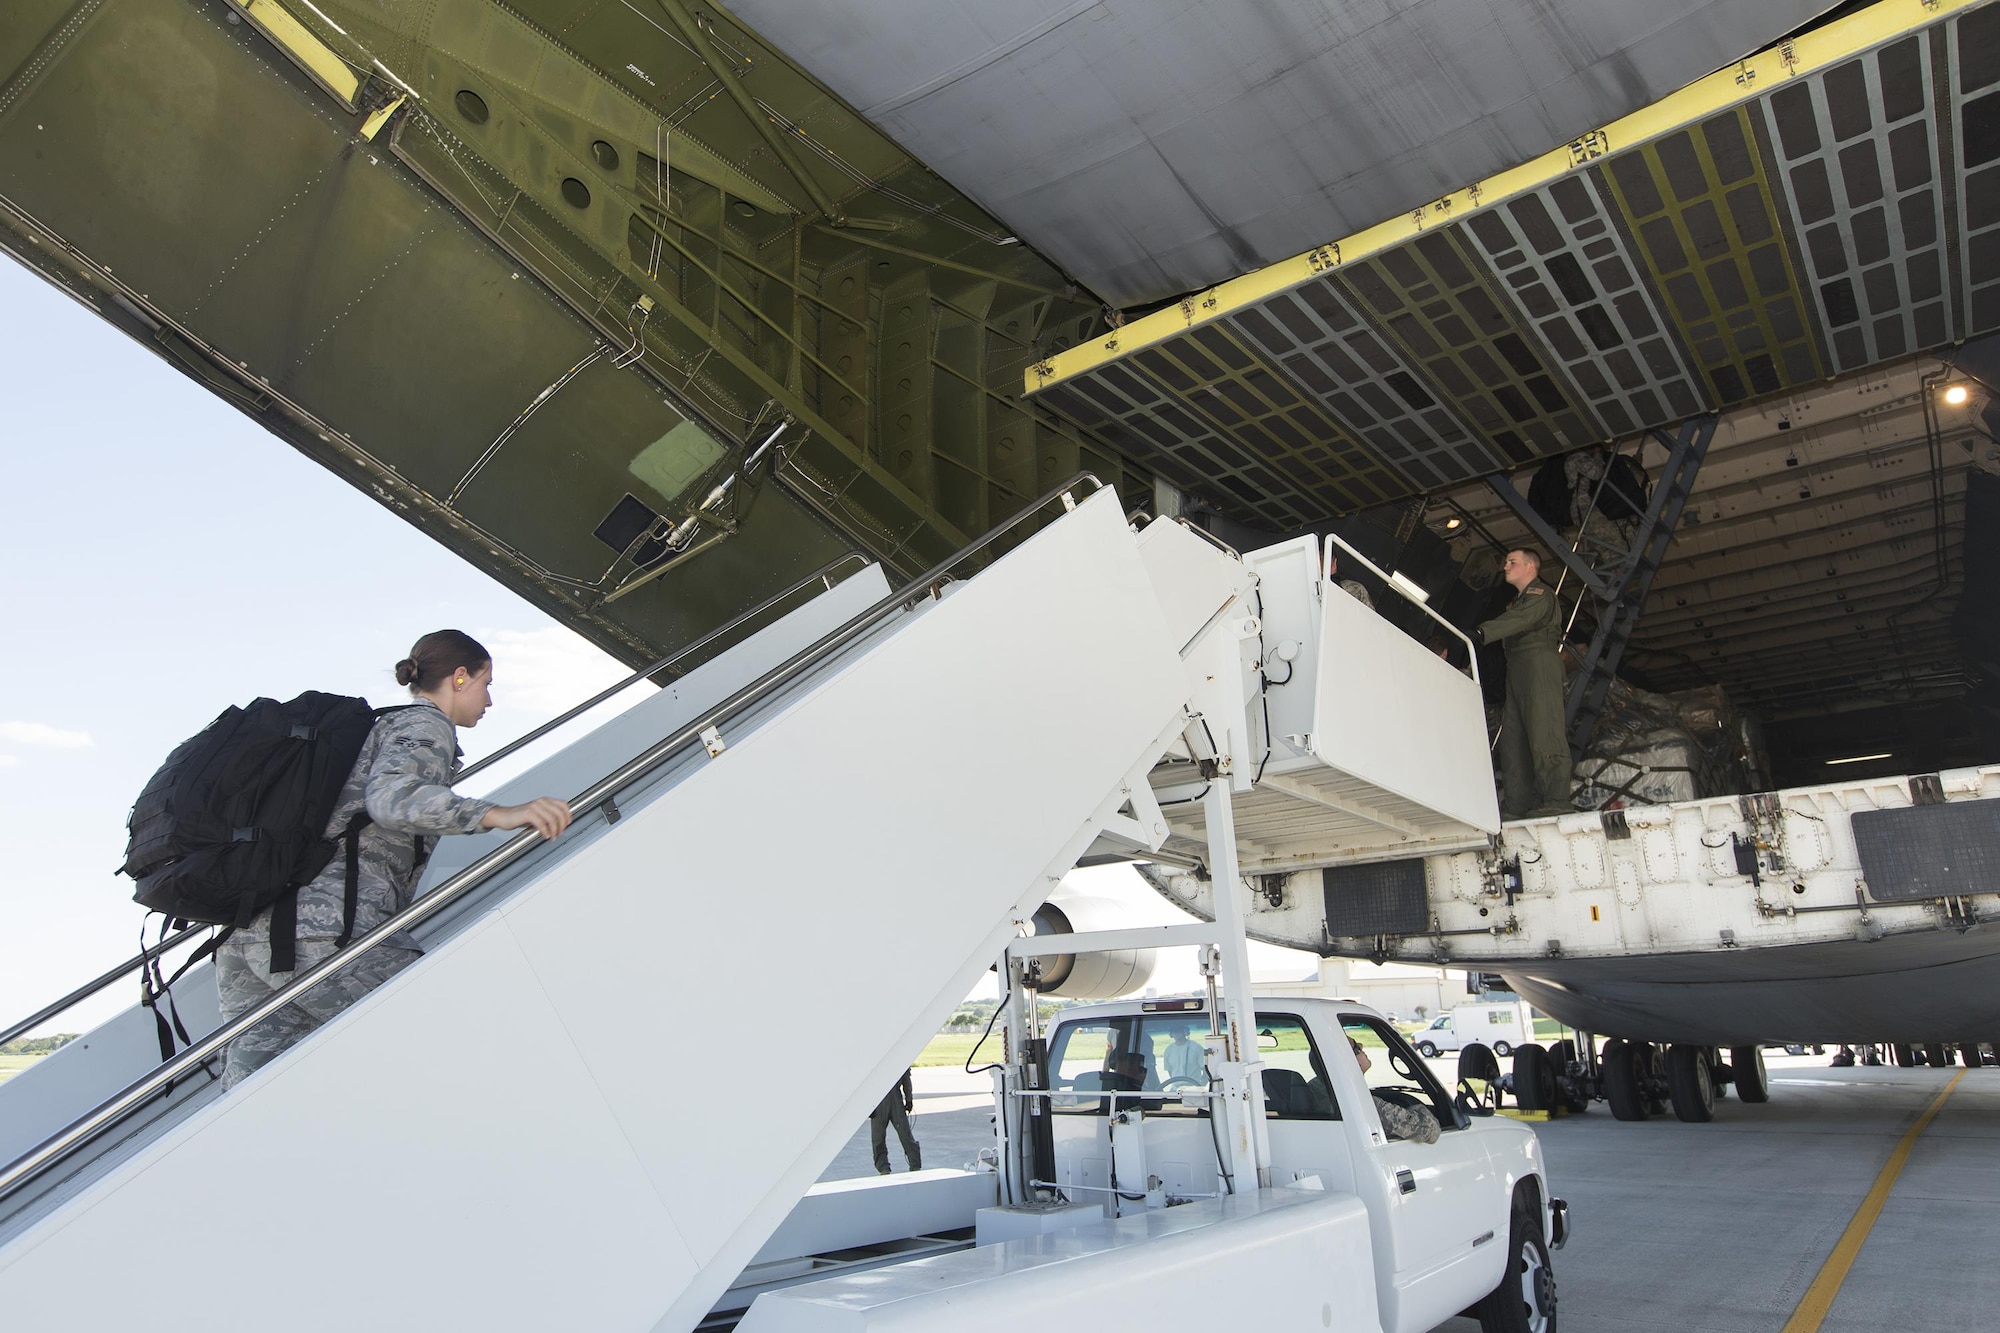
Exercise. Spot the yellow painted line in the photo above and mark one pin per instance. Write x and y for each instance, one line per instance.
(1819, 1296)
(319, 59)
(1820, 49)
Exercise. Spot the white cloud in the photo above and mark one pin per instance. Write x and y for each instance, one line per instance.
(539, 673)
(9, 760)
(43, 735)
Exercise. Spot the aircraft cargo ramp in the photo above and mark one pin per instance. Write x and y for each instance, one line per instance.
(595, 1097)
(1859, 911)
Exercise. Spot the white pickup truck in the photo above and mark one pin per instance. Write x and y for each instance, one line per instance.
(1462, 1225)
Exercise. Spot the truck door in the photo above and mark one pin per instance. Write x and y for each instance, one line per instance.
(1438, 1192)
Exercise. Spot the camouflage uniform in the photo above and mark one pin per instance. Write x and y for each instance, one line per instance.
(403, 778)
(1534, 751)
(1413, 1123)
(895, 1109)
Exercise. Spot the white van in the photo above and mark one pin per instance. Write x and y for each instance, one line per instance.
(1501, 1024)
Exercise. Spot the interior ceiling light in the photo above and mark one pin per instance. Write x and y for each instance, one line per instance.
(1409, 587)
(1957, 394)
(1451, 524)
(1861, 758)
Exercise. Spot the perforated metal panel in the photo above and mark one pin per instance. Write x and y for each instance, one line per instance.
(1331, 354)
(1862, 177)
(1436, 304)
(1807, 220)
(1701, 208)
(1975, 66)
(1212, 417)
(1384, 899)
(1559, 253)
(1929, 851)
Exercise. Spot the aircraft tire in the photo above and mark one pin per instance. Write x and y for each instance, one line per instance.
(1534, 1078)
(1621, 1082)
(1746, 1071)
(1689, 1084)
(1969, 1050)
(1902, 1055)
(1935, 1055)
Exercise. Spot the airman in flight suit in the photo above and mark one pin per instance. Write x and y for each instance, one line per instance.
(1534, 752)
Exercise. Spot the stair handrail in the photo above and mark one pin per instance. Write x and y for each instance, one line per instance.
(92, 987)
(1326, 555)
(824, 574)
(58, 1146)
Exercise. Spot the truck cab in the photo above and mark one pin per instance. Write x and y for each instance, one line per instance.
(1454, 1223)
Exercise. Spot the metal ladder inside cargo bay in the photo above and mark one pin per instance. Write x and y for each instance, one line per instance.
(1016, 666)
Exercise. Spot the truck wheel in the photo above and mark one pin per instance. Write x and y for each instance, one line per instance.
(1935, 1056)
(1689, 1085)
(1534, 1078)
(1746, 1071)
(1525, 1300)
(1503, 1049)
(1902, 1056)
(1427, 1049)
(1621, 1082)
(1970, 1051)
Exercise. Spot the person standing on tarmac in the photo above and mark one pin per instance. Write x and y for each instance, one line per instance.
(894, 1109)
(402, 779)
(1534, 752)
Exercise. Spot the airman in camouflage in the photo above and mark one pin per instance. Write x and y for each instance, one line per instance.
(1414, 1124)
(403, 779)
(1534, 750)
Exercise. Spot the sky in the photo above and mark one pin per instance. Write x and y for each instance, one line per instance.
(161, 558)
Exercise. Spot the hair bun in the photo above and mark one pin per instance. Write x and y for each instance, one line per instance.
(407, 671)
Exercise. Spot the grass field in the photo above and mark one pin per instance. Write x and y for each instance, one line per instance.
(952, 1048)
(11, 1065)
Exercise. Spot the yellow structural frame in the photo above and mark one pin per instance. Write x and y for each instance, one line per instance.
(1816, 50)
(320, 60)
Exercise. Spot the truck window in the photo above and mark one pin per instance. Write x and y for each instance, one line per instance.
(1295, 1083)
(1161, 1056)
(1394, 1068)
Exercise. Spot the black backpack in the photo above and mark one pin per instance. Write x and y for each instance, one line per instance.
(235, 820)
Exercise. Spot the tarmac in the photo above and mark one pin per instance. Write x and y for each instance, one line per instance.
(1724, 1227)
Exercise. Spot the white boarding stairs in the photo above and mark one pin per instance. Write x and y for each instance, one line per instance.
(1343, 739)
(623, 1060)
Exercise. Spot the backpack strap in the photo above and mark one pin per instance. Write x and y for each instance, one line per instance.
(284, 931)
(351, 898)
(154, 987)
